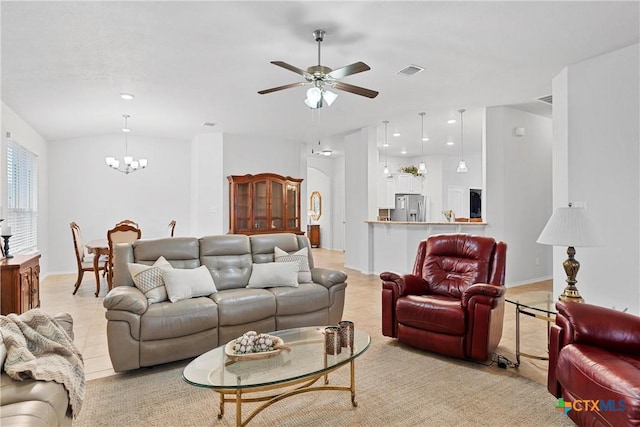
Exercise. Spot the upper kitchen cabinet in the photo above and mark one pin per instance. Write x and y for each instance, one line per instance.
(407, 183)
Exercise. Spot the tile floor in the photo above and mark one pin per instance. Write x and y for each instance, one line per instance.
(363, 293)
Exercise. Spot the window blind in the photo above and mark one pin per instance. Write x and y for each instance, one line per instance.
(22, 198)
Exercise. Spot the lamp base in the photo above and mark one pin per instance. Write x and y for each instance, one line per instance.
(571, 268)
(570, 295)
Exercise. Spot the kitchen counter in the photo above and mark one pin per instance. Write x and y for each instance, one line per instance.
(395, 243)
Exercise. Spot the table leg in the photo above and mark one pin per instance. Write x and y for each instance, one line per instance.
(96, 264)
(238, 408)
(353, 384)
(517, 335)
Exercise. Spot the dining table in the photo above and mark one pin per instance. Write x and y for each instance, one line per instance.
(98, 248)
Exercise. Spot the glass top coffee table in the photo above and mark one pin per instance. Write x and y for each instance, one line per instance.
(301, 368)
(537, 304)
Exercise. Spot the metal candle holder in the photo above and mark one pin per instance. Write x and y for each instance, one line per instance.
(6, 246)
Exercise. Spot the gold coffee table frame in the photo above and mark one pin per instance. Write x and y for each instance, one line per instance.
(536, 304)
(306, 380)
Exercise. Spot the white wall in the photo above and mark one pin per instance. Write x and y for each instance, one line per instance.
(207, 185)
(596, 129)
(357, 198)
(244, 155)
(23, 134)
(518, 190)
(83, 189)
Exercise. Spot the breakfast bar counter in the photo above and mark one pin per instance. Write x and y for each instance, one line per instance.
(395, 242)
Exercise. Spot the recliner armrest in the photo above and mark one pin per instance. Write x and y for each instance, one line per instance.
(327, 277)
(405, 285)
(599, 326)
(492, 292)
(126, 298)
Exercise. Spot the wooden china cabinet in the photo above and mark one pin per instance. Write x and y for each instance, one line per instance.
(264, 203)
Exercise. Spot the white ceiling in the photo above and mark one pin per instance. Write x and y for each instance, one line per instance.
(64, 64)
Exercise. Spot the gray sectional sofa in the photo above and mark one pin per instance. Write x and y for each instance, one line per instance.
(142, 334)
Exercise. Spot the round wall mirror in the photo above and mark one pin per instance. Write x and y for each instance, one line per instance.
(315, 205)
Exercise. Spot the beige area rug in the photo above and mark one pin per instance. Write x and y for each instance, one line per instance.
(395, 386)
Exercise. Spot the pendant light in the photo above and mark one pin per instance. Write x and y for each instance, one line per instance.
(422, 167)
(462, 165)
(385, 171)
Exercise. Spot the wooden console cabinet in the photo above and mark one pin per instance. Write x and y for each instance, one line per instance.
(264, 203)
(20, 277)
(313, 233)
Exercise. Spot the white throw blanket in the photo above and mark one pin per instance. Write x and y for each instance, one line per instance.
(39, 348)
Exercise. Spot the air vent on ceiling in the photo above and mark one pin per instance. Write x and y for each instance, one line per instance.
(548, 99)
(208, 124)
(410, 70)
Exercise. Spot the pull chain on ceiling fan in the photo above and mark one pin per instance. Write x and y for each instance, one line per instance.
(321, 77)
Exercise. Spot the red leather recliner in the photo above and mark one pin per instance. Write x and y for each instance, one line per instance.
(453, 302)
(594, 355)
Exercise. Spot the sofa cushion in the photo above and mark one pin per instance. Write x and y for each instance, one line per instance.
(184, 283)
(170, 320)
(181, 252)
(148, 278)
(30, 402)
(228, 258)
(301, 257)
(240, 306)
(307, 298)
(263, 245)
(274, 274)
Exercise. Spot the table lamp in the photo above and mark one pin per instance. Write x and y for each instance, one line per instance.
(570, 227)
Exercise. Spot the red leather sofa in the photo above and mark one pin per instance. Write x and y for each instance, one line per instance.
(453, 302)
(594, 356)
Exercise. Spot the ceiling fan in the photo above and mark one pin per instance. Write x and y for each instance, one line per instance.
(321, 77)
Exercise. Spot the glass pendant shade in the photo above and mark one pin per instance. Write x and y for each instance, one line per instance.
(462, 167)
(422, 168)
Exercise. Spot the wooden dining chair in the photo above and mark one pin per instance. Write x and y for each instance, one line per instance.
(121, 233)
(172, 226)
(84, 261)
(128, 221)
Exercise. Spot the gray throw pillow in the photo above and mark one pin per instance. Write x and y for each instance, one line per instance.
(301, 257)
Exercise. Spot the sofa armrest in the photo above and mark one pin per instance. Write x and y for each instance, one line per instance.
(583, 323)
(484, 293)
(327, 277)
(126, 298)
(66, 321)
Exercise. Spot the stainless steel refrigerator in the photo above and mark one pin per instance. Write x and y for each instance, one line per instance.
(409, 207)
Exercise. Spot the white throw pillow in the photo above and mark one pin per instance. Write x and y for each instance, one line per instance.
(185, 283)
(148, 278)
(301, 257)
(274, 274)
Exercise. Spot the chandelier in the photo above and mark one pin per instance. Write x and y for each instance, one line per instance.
(128, 164)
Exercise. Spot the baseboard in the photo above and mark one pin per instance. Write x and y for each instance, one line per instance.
(528, 281)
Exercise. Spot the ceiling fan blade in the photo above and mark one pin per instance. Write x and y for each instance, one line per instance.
(355, 89)
(275, 89)
(348, 70)
(291, 68)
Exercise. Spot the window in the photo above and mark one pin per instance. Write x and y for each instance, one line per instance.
(22, 198)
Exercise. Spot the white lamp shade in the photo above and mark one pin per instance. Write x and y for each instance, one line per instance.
(329, 97)
(314, 95)
(143, 163)
(462, 167)
(422, 167)
(569, 226)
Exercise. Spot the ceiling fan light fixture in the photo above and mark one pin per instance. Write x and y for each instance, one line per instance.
(329, 96)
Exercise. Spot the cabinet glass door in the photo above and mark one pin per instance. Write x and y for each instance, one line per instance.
(260, 207)
(293, 214)
(277, 206)
(243, 207)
